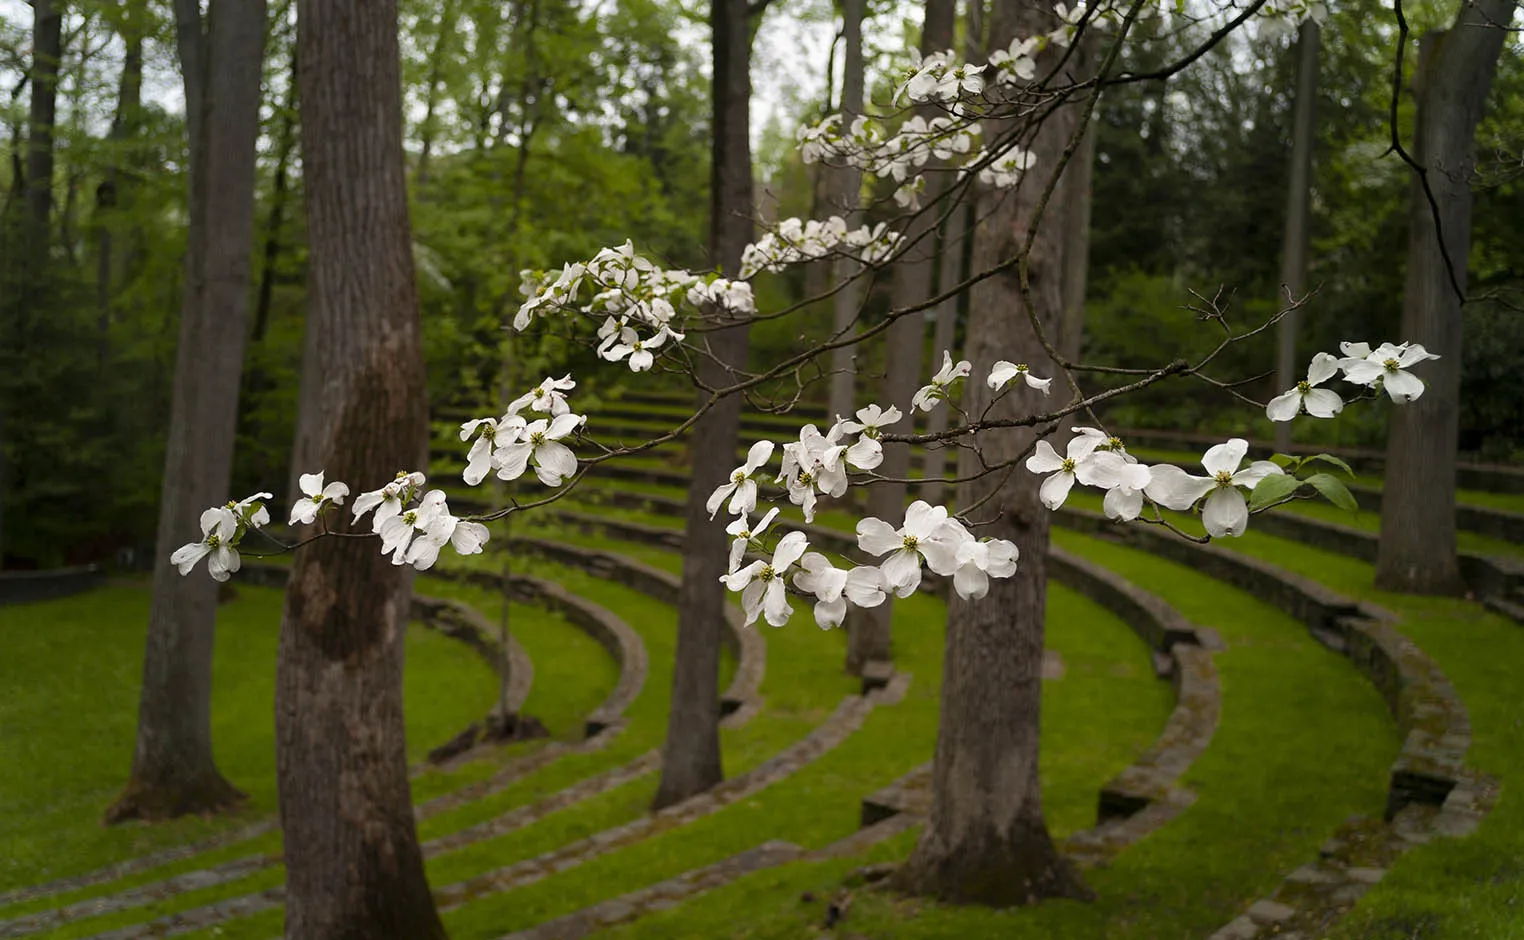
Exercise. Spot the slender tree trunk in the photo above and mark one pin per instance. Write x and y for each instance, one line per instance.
(108, 195)
(1298, 208)
(428, 128)
(691, 755)
(985, 840)
(353, 865)
(1077, 192)
(953, 253)
(868, 630)
(172, 770)
(275, 221)
(47, 50)
(1417, 548)
(845, 186)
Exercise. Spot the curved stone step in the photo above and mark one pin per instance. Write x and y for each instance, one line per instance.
(847, 718)
(741, 698)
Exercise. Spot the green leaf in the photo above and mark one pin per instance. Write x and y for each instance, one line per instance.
(1273, 489)
(1335, 461)
(1334, 490)
(1286, 461)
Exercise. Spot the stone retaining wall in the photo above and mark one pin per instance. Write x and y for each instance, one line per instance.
(741, 698)
(26, 587)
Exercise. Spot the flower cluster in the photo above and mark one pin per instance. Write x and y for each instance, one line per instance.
(819, 464)
(637, 301)
(413, 525)
(1384, 367)
(795, 241)
(512, 444)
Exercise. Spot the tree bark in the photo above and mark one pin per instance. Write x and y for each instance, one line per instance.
(1298, 208)
(173, 772)
(1418, 550)
(691, 754)
(47, 50)
(868, 630)
(985, 840)
(353, 865)
(846, 194)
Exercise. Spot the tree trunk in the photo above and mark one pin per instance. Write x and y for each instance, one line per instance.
(426, 129)
(353, 865)
(1417, 548)
(985, 840)
(951, 268)
(172, 770)
(275, 222)
(1298, 208)
(47, 49)
(691, 755)
(845, 186)
(868, 631)
(1077, 192)
(108, 195)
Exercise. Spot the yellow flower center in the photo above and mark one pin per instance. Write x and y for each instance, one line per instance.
(410, 517)
(213, 540)
(767, 573)
(1067, 467)
(317, 497)
(1224, 477)
(1115, 443)
(911, 542)
(1390, 365)
(738, 476)
(1021, 367)
(537, 438)
(1303, 387)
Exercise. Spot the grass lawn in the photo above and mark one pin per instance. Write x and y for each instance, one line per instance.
(69, 718)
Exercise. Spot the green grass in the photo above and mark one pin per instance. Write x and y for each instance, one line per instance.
(69, 717)
(1278, 778)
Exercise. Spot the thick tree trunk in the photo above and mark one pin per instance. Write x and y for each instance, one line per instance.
(353, 865)
(47, 49)
(691, 755)
(1298, 209)
(1417, 548)
(868, 630)
(172, 771)
(985, 840)
(845, 184)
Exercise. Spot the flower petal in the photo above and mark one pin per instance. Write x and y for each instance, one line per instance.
(1402, 386)
(1225, 457)
(1225, 513)
(1055, 489)
(1173, 488)
(1044, 459)
(1284, 406)
(1323, 402)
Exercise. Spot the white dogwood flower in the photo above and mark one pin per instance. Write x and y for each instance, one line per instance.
(548, 396)
(540, 445)
(1003, 372)
(1385, 365)
(927, 398)
(833, 587)
(761, 583)
(315, 497)
(219, 529)
(1226, 512)
(741, 488)
(1318, 402)
(925, 534)
(978, 561)
(1125, 481)
(868, 453)
(1076, 464)
(744, 533)
(389, 499)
